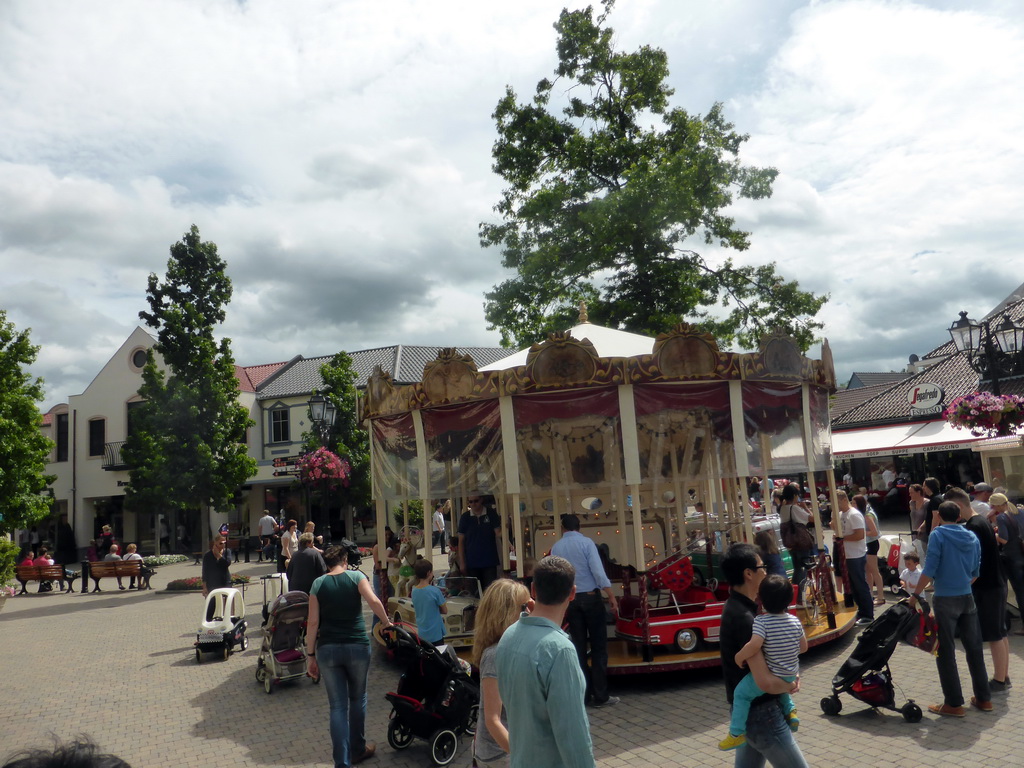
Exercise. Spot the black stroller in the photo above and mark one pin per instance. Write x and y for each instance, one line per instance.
(436, 699)
(865, 675)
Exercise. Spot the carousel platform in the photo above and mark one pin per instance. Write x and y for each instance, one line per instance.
(627, 658)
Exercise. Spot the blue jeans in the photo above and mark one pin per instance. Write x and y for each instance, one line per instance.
(744, 694)
(345, 668)
(859, 584)
(953, 613)
(769, 738)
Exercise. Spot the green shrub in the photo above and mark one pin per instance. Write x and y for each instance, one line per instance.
(8, 560)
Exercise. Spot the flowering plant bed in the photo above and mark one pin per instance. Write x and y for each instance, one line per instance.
(195, 583)
(154, 560)
(987, 415)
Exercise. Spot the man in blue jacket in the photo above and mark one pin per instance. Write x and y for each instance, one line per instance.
(953, 563)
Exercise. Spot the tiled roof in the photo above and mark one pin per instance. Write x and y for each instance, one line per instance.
(251, 376)
(889, 405)
(944, 349)
(873, 379)
(404, 363)
(847, 399)
(952, 372)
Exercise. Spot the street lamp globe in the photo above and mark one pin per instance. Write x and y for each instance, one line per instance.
(1009, 336)
(317, 405)
(966, 335)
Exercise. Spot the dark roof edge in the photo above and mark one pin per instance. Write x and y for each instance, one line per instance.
(278, 372)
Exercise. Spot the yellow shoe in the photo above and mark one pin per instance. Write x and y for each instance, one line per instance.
(793, 720)
(731, 742)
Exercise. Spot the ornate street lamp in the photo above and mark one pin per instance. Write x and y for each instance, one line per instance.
(994, 352)
(322, 413)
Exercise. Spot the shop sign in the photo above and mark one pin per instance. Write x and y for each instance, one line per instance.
(925, 398)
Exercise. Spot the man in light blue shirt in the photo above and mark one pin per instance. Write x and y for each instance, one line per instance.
(540, 683)
(586, 614)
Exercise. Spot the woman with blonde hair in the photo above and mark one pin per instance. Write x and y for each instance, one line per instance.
(499, 609)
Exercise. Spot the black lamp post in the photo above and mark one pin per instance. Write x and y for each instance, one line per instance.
(322, 413)
(994, 352)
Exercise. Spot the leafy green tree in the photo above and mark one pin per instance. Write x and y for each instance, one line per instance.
(348, 439)
(605, 193)
(186, 446)
(23, 449)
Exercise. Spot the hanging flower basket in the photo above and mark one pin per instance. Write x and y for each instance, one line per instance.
(323, 465)
(987, 415)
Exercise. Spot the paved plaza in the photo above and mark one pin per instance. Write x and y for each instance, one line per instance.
(119, 666)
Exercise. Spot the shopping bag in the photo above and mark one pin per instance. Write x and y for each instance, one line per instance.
(924, 633)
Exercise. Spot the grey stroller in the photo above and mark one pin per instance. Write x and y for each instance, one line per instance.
(283, 651)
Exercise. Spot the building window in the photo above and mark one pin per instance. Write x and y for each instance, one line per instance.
(132, 416)
(62, 437)
(139, 359)
(279, 426)
(97, 436)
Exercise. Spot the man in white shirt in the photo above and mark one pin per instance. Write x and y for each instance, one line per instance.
(855, 547)
(267, 527)
(982, 493)
(438, 528)
(888, 477)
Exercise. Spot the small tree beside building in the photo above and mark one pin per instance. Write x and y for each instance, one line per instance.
(23, 449)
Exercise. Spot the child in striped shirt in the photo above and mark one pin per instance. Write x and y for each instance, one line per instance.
(779, 635)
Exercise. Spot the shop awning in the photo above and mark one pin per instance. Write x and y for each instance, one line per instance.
(901, 440)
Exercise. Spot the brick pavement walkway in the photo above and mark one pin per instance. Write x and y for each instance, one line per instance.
(119, 666)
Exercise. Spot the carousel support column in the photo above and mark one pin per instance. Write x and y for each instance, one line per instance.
(739, 449)
(376, 493)
(510, 456)
(423, 470)
(820, 567)
(631, 462)
(837, 531)
(766, 461)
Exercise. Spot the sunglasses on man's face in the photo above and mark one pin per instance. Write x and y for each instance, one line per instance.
(475, 501)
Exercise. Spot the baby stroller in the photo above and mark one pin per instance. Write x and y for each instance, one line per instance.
(891, 565)
(283, 652)
(223, 625)
(274, 585)
(436, 699)
(865, 675)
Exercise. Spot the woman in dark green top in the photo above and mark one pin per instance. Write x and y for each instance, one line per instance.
(339, 651)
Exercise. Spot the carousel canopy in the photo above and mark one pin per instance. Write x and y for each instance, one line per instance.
(608, 342)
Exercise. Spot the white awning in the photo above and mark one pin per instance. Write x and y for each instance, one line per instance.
(901, 440)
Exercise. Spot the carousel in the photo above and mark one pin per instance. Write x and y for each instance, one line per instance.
(651, 442)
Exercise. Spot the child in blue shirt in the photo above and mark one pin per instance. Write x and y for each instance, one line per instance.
(429, 603)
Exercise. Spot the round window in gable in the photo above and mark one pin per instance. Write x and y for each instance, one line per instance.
(139, 359)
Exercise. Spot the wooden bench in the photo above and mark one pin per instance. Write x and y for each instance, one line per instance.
(116, 568)
(41, 573)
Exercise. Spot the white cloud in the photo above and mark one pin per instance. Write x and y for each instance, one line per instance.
(338, 152)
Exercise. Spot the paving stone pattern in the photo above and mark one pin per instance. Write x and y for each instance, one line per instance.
(120, 667)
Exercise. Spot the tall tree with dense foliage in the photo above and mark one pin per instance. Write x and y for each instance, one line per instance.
(23, 449)
(347, 438)
(606, 191)
(186, 446)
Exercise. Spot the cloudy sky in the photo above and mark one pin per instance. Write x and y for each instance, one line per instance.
(338, 152)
